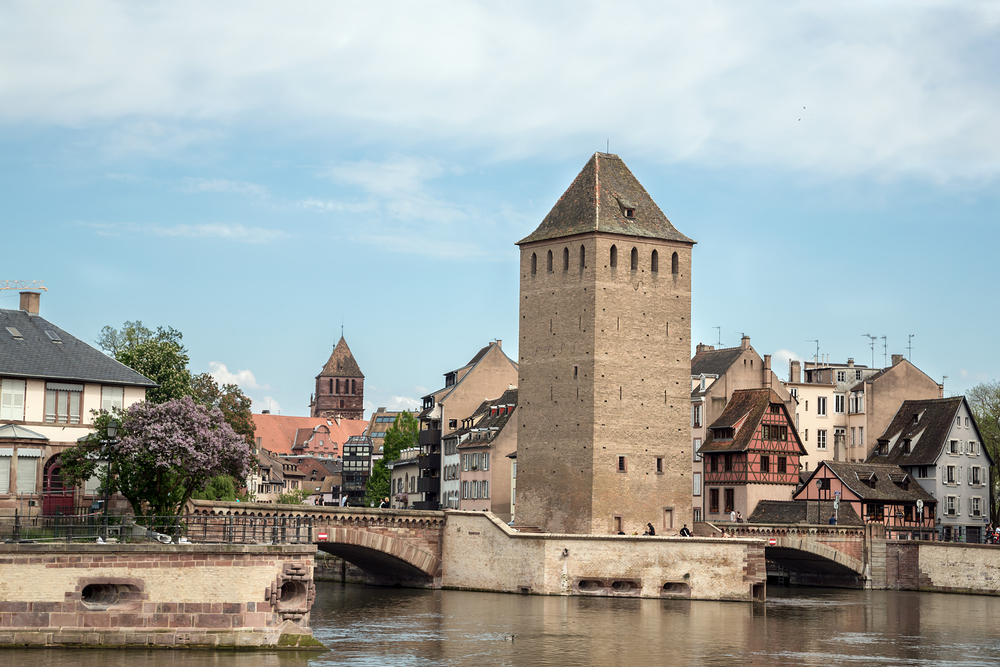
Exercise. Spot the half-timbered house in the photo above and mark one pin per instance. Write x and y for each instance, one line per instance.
(878, 492)
(751, 453)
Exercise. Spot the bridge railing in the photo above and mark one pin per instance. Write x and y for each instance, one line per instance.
(182, 529)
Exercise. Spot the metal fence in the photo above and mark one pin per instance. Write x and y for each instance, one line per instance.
(191, 528)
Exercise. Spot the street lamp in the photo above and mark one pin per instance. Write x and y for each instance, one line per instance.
(112, 439)
(819, 485)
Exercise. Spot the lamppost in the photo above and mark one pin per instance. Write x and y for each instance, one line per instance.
(819, 485)
(112, 431)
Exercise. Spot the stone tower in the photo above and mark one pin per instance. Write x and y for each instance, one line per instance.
(605, 342)
(340, 386)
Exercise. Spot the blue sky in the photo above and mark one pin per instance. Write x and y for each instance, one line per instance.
(257, 174)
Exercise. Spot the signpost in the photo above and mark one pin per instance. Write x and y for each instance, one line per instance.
(321, 536)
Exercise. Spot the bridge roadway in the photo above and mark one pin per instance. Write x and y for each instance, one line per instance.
(406, 546)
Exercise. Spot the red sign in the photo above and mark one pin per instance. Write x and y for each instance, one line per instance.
(321, 536)
(772, 542)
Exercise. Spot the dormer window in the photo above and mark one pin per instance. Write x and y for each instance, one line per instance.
(629, 212)
(905, 446)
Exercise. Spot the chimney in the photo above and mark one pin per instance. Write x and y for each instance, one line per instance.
(767, 370)
(499, 343)
(703, 348)
(794, 371)
(896, 358)
(745, 342)
(850, 362)
(29, 302)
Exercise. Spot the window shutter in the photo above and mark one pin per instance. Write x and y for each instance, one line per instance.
(944, 474)
(26, 471)
(958, 474)
(958, 505)
(4, 474)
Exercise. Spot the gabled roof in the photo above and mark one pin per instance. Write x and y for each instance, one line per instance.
(341, 363)
(36, 354)
(597, 201)
(277, 433)
(714, 362)
(927, 434)
(488, 426)
(803, 511)
(745, 409)
(854, 476)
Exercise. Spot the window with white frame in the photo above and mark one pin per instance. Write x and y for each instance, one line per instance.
(12, 400)
(794, 391)
(838, 404)
(973, 449)
(841, 376)
(951, 505)
(486, 489)
(27, 469)
(695, 447)
(857, 375)
(5, 458)
(486, 461)
(950, 475)
(953, 446)
(821, 406)
(696, 484)
(696, 415)
(975, 476)
(975, 506)
(820, 438)
(112, 397)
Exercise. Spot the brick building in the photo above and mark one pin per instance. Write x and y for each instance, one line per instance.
(340, 386)
(605, 337)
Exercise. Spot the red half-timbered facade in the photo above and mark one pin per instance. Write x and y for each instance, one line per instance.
(879, 493)
(751, 454)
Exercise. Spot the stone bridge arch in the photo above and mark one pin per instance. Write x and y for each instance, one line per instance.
(811, 556)
(822, 555)
(381, 555)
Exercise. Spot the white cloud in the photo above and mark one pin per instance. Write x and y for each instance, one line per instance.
(780, 362)
(889, 87)
(267, 403)
(226, 231)
(243, 379)
(331, 206)
(198, 185)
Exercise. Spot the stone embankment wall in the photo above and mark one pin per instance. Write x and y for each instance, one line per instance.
(332, 568)
(156, 595)
(482, 553)
(943, 566)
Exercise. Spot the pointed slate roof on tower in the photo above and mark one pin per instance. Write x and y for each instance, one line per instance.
(606, 197)
(342, 362)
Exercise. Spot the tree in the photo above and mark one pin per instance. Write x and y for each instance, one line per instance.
(292, 497)
(158, 355)
(401, 435)
(236, 406)
(165, 453)
(984, 399)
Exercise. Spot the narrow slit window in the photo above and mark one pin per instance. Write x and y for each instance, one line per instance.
(635, 259)
(654, 262)
(614, 257)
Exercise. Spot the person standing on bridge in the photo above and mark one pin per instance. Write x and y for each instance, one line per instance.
(384, 504)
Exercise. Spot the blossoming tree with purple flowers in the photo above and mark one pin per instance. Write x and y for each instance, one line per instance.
(165, 452)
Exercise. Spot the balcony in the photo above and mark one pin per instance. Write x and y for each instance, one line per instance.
(428, 485)
(430, 436)
(429, 461)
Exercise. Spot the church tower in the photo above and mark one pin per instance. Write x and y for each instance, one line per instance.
(605, 343)
(340, 386)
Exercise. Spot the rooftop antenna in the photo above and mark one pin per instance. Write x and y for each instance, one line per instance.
(885, 352)
(816, 358)
(608, 149)
(943, 378)
(873, 339)
(719, 329)
(909, 348)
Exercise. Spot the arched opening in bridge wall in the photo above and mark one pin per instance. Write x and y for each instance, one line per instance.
(806, 564)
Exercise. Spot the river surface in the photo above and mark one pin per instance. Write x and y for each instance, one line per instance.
(797, 626)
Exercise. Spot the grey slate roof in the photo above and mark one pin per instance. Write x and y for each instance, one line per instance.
(37, 356)
(715, 362)
(886, 489)
(802, 511)
(596, 201)
(927, 435)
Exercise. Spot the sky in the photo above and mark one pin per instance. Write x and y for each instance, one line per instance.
(260, 175)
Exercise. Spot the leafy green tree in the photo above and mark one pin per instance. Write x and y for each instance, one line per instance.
(221, 487)
(292, 497)
(159, 355)
(401, 435)
(164, 453)
(235, 405)
(984, 399)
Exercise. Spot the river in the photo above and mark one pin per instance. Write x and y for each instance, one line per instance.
(797, 626)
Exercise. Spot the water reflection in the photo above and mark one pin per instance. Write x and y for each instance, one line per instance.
(398, 627)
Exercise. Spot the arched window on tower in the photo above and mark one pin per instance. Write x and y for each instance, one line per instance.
(674, 268)
(331, 386)
(635, 259)
(354, 387)
(614, 257)
(548, 262)
(583, 258)
(534, 263)
(565, 259)
(654, 262)
(337, 385)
